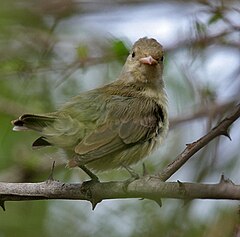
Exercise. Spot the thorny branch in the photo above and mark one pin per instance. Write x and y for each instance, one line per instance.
(191, 149)
(150, 187)
(146, 187)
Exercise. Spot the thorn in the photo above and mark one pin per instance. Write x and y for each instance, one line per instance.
(226, 134)
(181, 185)
(2, 205)
(50, 177)
(182, 189)
(94, 204)
(159, 202)
(224, 180)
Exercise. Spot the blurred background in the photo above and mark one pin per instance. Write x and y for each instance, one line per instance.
(52, 50)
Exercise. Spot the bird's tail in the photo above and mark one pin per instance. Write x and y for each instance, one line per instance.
(35, 123)
(32, 122)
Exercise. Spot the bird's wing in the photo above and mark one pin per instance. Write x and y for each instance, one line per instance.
(122, 132)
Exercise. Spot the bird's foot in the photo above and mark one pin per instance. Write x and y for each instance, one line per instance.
(87, 186)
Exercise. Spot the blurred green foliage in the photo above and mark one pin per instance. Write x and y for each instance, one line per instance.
(42, 65)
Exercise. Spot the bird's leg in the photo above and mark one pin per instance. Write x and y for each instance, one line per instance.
(145, 172)
(133, 177)
(78, 162)
(132, 172)
(89, 173)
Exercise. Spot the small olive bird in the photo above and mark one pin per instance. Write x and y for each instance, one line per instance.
(112, 126)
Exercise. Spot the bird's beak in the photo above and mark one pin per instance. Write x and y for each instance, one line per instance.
(148, 60)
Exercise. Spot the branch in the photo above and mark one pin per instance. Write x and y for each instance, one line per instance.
(204, 111)
(191, 149)
(146, 187)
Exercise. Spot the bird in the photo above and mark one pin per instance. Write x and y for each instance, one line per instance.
(112, 126)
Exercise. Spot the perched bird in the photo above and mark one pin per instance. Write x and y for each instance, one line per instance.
(112, 126)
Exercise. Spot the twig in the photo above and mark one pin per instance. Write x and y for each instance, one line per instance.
(191, 149)
(203, 111)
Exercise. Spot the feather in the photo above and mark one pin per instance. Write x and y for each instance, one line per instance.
(32, 122)
(41, 142)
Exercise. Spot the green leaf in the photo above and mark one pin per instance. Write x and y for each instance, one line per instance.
(215, 17)
(119, 48)
(82, 51)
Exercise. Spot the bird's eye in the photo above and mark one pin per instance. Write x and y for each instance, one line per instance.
(160, 59)
(133, 54)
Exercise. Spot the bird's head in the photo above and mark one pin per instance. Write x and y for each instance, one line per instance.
(145, 62)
